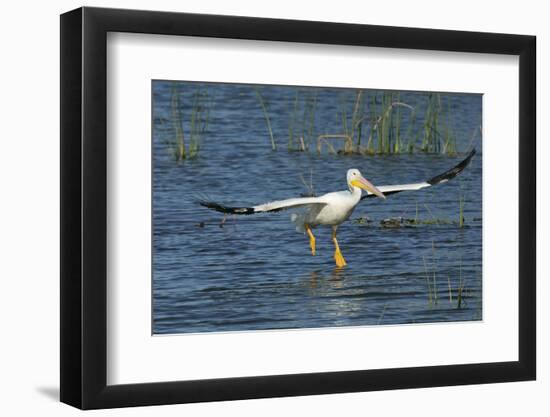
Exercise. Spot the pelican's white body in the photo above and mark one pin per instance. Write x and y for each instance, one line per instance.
(330, 209)
(337, 209)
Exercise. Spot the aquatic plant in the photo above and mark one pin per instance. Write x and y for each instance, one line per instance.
(326, 139)
(200, 114)
(301, 124)
(431, 282)
(266, 116)
(382, 314)
(438, 135)
(431, 293)
(308, 185)
(431, 277)
(178, 148)
(174, 135)
(450, 289)
(460, 289)
(381, 115)
(461, 202)
(474, 135)
(430, 140)
(292, 119)
(352, 129)
(434, 276)
(391, 125)
(370, 122)
(448, 135)
(308, 120)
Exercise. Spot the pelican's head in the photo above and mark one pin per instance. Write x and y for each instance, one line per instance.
(355, 179)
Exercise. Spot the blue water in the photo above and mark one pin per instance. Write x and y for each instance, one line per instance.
(257, 272)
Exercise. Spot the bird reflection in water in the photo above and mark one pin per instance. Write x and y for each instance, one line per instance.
(335, 279)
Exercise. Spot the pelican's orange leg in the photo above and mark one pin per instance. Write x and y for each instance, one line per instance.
(311, 239)
(338, 257)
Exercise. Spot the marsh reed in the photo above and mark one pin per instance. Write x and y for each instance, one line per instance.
(301, 121)
(265, 111)
(180, 145)
(370, 122)
(456, 301)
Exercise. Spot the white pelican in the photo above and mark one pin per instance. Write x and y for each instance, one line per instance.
(333, 209)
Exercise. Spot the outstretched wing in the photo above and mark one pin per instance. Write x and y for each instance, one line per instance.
(439, 179)
(267, 207)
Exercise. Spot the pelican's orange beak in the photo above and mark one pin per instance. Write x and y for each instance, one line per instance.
(368, 186)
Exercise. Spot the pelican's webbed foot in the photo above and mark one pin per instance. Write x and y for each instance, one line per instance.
(339, 258)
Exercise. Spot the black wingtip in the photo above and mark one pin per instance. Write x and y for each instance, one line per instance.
(453, 172)
(225, 209)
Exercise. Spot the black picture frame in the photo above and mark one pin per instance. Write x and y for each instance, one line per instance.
(84, 207)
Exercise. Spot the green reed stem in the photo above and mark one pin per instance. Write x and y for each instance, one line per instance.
(266, 116)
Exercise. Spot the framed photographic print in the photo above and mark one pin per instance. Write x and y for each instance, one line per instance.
(257, 208)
